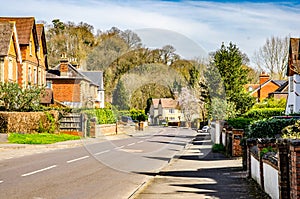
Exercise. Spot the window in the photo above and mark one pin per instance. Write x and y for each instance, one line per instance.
(171, 111)
(49, 84)
(29, 75)
(35, 76)
(291, 84)
(30, 48)
(10, 69)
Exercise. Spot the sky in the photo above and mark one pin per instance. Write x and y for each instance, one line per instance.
(192, 27)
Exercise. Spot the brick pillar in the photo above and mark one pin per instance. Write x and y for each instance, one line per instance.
(237, 135)
(283, 169)
(250, 144)
(295, 169)
(92, 129)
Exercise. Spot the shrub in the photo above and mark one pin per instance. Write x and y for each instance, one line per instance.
(138, 115)
(105, 116)
(217, 148)
(292, 131)
(268, 128)
(262, 113)
(240, 122)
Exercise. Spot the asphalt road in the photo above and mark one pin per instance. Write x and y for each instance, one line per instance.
(106, 169)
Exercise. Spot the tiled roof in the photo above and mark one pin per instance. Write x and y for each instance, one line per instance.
(168, 103)
(280, 82)
(95, 76)
(24, 27)
(6, 32)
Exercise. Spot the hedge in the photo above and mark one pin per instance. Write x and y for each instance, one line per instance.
(259, 114)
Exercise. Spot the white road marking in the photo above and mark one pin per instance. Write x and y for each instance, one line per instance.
(37, 171)
(77, 159)
(1, 181)
(131, 144)
(120, 147)
(101, 152)
(140, 141)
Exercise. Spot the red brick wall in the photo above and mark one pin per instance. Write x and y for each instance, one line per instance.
(66, 90)
(265, 90)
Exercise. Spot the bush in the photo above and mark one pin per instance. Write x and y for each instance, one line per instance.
(138, 115)
(268, 128)
(105, 116)
(217, 148)
(292, 131)
(262, 113)
(240, 122)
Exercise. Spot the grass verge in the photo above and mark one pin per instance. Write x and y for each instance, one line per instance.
(40, 138)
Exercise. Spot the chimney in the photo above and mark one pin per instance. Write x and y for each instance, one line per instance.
(263, 78)
(63, 65)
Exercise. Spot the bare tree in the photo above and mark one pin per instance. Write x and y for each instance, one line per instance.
(273, 56)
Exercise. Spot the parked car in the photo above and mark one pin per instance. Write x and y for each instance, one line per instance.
(205, 129)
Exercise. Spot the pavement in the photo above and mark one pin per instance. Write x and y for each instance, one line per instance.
(199, 173)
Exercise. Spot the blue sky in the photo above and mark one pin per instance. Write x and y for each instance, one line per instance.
(191, 24)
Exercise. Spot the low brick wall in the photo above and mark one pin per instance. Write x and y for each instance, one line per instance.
(109, 129)
(24, 122)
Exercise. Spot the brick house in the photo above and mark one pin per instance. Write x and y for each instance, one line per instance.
(293, 70)
(32, 46)
(73, 88)
(10, 54)
(266, 87)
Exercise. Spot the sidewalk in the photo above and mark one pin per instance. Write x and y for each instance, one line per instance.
(199, 173)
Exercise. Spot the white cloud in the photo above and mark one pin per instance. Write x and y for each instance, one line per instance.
(207, 23)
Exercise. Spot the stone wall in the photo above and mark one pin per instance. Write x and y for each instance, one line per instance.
(25, 122)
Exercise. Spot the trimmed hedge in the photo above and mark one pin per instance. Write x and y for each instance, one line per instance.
(270, 128)
(259, 114)
(240, 122)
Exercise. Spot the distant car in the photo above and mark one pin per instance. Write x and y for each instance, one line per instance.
(204, 129)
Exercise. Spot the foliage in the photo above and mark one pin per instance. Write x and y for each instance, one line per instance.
(271, 103)
(217, 148)
(292, 131)
(138, 115)
(52, 127)
(219, 109)
(105, 116)
(240, 122)
(263, 113)
(273, 56)
(268, 128)
(40, 138)
(120, 97)
(76, 40)
(266, 150)
(229, 63)
(14, 98)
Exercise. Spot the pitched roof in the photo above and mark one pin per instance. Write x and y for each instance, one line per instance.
(24, 27)
(279, 82)
(6, 32)
(41, 36)
(168, 103)
(96, 77)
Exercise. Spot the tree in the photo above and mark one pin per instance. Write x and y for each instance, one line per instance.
(273, 56)
(120, 97)
(229, 63)
(14, 98)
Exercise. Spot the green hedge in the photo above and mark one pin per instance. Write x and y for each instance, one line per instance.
(263, 113)
(240, 122)
(268, 128)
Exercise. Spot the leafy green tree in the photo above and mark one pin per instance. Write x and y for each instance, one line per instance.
(120, 97)
(14, 98)
(229, 62)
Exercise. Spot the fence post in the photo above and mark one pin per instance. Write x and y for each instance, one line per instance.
(283, 169)
(295, 169)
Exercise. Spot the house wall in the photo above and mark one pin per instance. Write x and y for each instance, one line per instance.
(265, 90)
(66, 91)
(293, 102)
